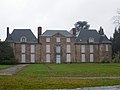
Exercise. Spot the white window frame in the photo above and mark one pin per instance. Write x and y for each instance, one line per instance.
(47, 39)
(68, 58)
(23, 48)
(47, 58)
(32, 57)
(91, 49)
(58, 49)
(68, 49)
(67, 39)
(47, 48)
(83, 58)
(32, 47)
(58, 39)
(58, 59)
(107, 48)
(23, 39)
(91, 40)
(91, 57)
(23, 58)
(82, 48)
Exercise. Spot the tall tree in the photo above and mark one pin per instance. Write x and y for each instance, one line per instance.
(117, 18)
(81, 25)
(6, 54)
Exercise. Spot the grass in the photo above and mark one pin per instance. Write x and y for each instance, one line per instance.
(5, 66)
(36, 76)
(71, 70)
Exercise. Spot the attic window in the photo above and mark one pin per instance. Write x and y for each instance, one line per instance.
(91, 40)
(23, 39)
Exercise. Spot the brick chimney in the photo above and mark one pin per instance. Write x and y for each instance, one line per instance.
(39, 33)
(8, 31)
(73, 31)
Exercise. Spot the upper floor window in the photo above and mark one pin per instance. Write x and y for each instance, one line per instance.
(68, 49)
(91, 49)
(32, 48)
(47, 48)
(68, 40)
(91, 40)
(47, 39)
(106, 47)
(23, 39)
(83, 48)
(58, 49)
(58, 39)
(23, 48)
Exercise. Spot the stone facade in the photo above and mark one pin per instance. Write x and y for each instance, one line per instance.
(60, 47)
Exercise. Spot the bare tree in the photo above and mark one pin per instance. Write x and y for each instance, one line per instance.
(117, 18)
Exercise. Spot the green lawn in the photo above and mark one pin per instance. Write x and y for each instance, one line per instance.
(36, 76)
(5, 66)
(71, 70)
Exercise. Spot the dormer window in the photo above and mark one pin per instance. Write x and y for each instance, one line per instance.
(91, 40)
(23, 39)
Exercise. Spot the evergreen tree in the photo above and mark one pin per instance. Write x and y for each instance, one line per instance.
(6, 54)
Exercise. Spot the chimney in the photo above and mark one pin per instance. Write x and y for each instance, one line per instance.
(101, 32)
(8, 31)
(73, 31)
(39, 33)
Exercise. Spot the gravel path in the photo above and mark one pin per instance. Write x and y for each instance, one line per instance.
(13, 70)
(78, 77)
(101, 88)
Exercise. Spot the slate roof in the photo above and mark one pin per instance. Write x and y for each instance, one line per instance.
(16, 35)
(53, 32)
(84, 36)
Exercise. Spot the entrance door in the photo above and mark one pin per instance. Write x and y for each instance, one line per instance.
(58, 59)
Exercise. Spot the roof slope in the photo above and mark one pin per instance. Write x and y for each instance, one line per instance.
(18, 33)
(84, 36)
(53, 32)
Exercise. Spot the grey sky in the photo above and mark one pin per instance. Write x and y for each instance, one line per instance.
(56, 14)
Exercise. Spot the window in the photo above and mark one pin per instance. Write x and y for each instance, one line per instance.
(32, 48)
(23, 58)
(47, 48)
(106, 47)
(58, 39)
(58, 59)
(23, 39)
(68, 58)
(58, 49)
(68, 40)
(91, 40)
(83, 58)
(23, 48)
(91, 58)
(83, 48)
(47, 39)
(48, 58)
(68, 49)
(91, 49)
(32, 58)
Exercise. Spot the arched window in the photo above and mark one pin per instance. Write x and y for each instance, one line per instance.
(23, 39)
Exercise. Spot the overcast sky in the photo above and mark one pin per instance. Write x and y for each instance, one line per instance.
(56, 14)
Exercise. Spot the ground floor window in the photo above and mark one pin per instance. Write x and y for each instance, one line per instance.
(83, 58)
(32, 58)
(91, 58)
(23, 58)
(68, 58)
(58, 59)
(48, 58)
